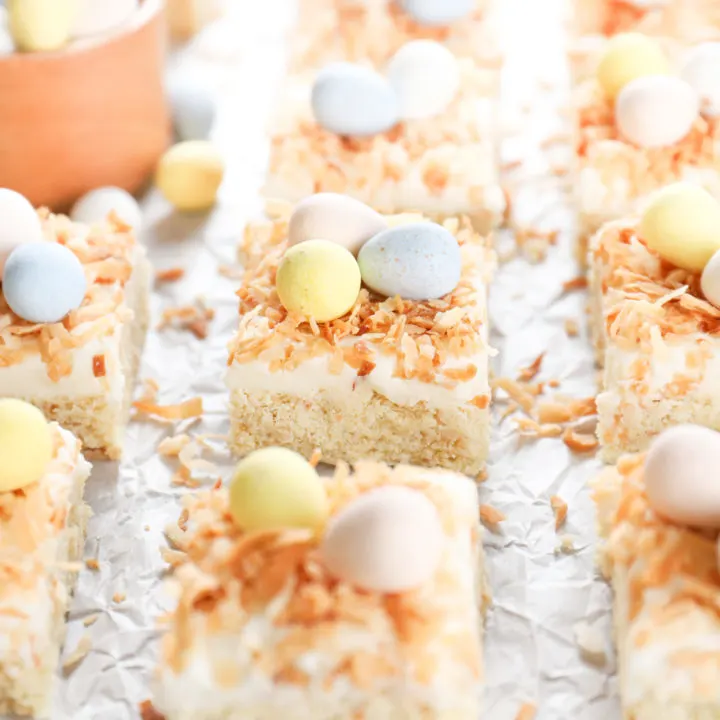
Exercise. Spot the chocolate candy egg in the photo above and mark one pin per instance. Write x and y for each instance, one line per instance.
(190, 174)
(94, 17)
(681, 475)
(353, 100)
(710, 280)
(426, 78)
(389, 540)
(437, 12)
(318, 279)
(277, 488)
(628, 56)
(26, 444)
(194, 106)
(41, 25)
(656, 111)
(681, 223)
(43, 281)
(418, 261)
(339, 218)
(701, 70)
(96, 206)
(19, 223)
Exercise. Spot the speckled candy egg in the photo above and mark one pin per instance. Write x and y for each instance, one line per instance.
(43, 282)
(41, 25)
(353, 100)
(681, 223)
(656, 111)
(437, 12)
(389, 540)
(95, 206)
(94, 17)
(338, 218)
(19, 223)
(426, 78)
(628, 56)
(26, 444)
(701, 70)
(681, 475)
(418, 261)
(194, 106)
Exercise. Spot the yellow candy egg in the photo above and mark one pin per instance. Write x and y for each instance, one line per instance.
(681, 223)
(319, 279)
(41, 25)
(277, 488)
(26, 445)
(189, 175)
(626, 57)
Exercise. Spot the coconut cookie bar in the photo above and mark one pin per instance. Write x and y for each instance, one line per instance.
(73, 316)
(655, 293)
(642, 122)
(359, 595)
(330, 30)
(421, 138)
(658, 517)
(400, 365)
(42, 530)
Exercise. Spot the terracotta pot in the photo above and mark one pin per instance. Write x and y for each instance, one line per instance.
(92, 114)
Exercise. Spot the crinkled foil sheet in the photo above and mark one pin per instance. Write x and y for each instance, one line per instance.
(543, 582)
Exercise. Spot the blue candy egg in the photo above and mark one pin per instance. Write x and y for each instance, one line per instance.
(194, 107)
(43, 281)
(438, 12)
(353, 100)
(418, 261)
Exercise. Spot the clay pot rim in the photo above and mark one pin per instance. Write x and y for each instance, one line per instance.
(146, 13)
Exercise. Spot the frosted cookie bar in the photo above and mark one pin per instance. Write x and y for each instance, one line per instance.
(73, 317)
(654, 326)
(664, 572)
(375, 612)
(406, 379)
(42, 530)
(644, 120)
(421, 139)
(330, 30)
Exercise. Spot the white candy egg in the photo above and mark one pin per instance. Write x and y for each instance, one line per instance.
(438, 12)
(417, 261)
(389, 540)
(681, 475)
(710, 280)
(19, 223)
(426, 78)
(656, 110)
(339, 218)
(100, 16)
(95, 206)
(194, 105)
(702, 71)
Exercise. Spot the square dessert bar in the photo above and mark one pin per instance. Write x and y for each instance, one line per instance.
(658, 339)
(81, 371)
(667, 594)
(615, 176)
(406, 380)
(354, 30)
(262, 629)
(42, 529)
(442, 166)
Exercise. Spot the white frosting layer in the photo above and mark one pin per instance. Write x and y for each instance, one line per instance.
(194, 693)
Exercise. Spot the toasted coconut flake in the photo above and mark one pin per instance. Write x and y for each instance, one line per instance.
(527, 711)
(119, 597)
(591, 643)
(529, 373)
(98, 365)
(191, 408)
(172, 446)
(92, 564)
(572, 329)
(74, 658)
(560, 510)
(195, 318)
(576, 283)
(170, 275)
(491, 517)
(516, 391)
(91, 619)
(148, 712)
(578, 442)
(315, 457)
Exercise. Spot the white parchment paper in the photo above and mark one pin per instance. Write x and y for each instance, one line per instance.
(540, 592)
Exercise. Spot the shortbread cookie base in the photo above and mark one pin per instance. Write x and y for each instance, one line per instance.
(456, 439)
(26, 687)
